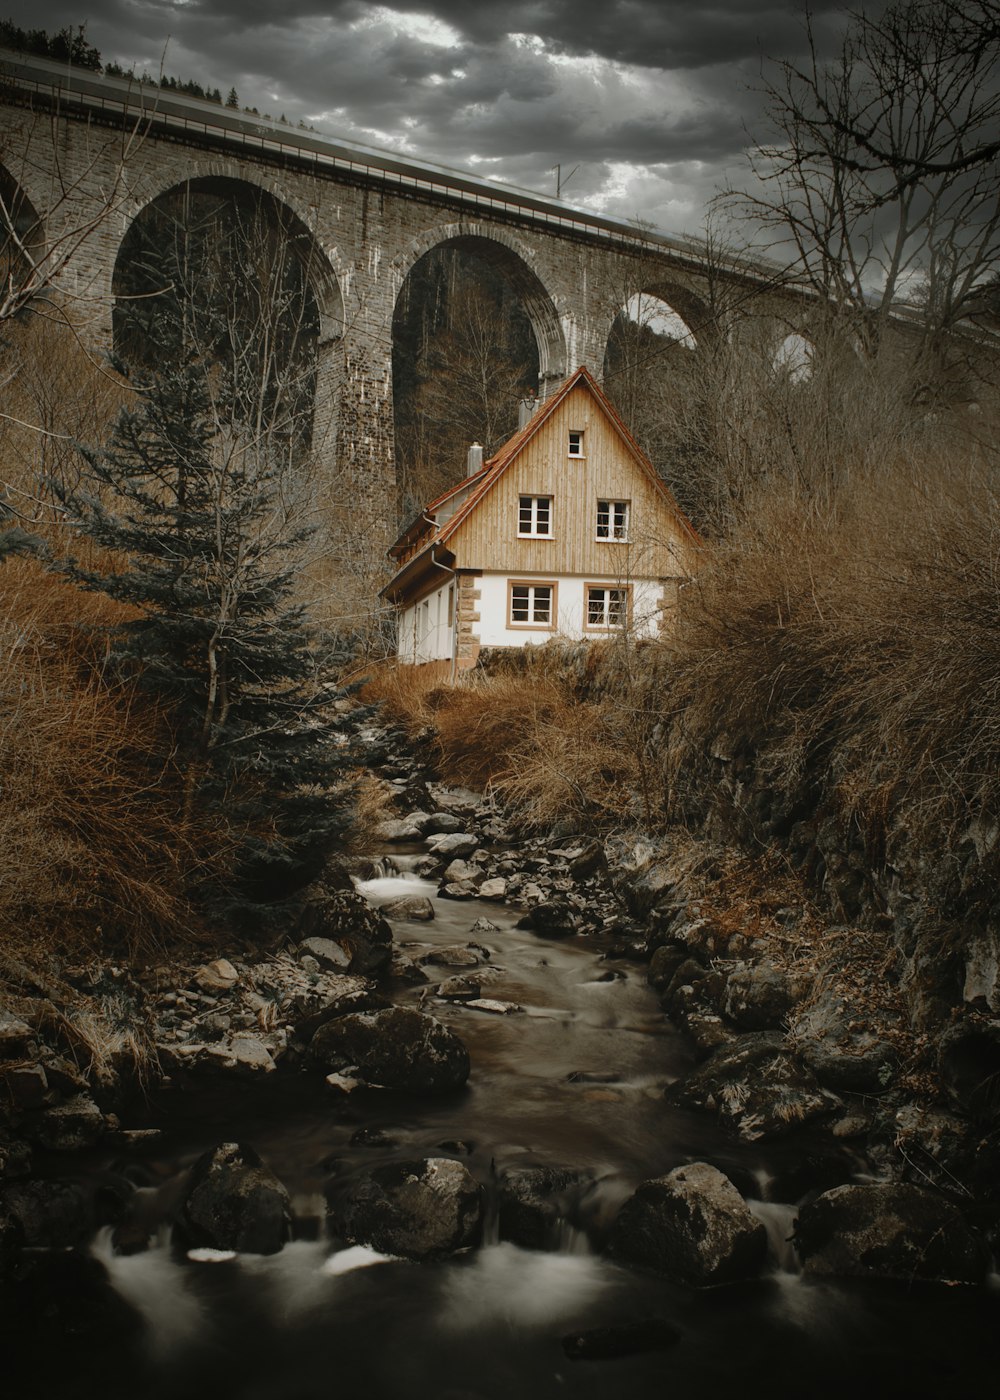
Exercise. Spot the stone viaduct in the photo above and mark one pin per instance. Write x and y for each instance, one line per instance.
(84, 154)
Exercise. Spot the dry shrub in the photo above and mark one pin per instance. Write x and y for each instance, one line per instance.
(854, 651)
(94, 853)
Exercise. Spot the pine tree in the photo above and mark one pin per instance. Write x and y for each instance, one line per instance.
(191, 496)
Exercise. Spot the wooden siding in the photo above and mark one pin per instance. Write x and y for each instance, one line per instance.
(488, 538)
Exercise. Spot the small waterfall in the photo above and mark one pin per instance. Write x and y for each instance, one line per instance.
(779, 1222)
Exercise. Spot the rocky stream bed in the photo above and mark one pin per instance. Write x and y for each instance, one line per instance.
(504, 1117)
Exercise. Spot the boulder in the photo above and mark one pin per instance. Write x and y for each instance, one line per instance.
(396, 1048)
(454, 843)
(217, 976)
(757, 1086)
(458, 889)
(15, 1035)
(458, 872)
(68, 1126)
(402, 830)
(494, 888)
(420, 1209)
(588, 860)
(969, 1064)
(843, 1055)
(552, 918)
(455, 955)
(332, 956)
(531, 1201)
(49, 1214)
(893, 1231)
(344, 917)
(643, 890)
(692, 1225)
(412, 908)
(443, 824)
(760, 996)
(233, 1201)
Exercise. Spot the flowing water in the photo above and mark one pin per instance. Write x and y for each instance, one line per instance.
(575, 1078)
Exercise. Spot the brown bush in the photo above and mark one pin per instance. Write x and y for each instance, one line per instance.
(94, 853)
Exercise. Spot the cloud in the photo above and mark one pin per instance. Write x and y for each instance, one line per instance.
(650, 98)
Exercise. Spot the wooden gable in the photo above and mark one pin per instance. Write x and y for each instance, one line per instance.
(538, 463)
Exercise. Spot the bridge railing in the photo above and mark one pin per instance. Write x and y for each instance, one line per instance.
(166, 111)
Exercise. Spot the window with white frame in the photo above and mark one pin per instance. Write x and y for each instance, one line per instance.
(576, 442)
(534, 516)
(612, 520)
(607, 606)
(532, 604)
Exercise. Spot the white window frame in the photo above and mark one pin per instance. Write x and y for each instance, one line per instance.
(607, 622)
(614, 529)
(575, 443)
(533, 517)
(532, 588)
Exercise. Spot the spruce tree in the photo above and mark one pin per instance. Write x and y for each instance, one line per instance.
(190, 497)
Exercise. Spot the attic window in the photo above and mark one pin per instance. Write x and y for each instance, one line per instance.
(612, 520)
(534, 516)
(576, 442)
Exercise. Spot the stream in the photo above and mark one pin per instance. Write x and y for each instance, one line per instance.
(575, 1078)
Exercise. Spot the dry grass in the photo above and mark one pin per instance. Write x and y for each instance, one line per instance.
(94, 856)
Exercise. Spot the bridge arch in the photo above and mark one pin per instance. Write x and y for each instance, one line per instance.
(513, 258)
(22, 234)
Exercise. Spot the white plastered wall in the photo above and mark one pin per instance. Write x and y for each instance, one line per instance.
(424, 632)
(570, 609)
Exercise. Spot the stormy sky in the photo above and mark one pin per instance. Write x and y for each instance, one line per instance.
(652, 100)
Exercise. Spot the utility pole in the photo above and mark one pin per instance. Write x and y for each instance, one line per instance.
(559, 179)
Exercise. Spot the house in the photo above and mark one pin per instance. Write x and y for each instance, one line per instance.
(566, 532)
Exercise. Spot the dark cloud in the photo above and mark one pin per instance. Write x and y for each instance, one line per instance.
(650, 97)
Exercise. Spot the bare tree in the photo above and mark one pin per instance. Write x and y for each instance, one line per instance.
(881, 179)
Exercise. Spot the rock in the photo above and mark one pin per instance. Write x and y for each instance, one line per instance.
(643, 891)
(757, 1086)
(245, 1052)
(233, 1201)
(888, 1231)
(344, 917)
(692, 1225)
(457, 843)
(397, 1048)
(458, 889)
(15, 1157)
(420, 1209)
(496, 1008)
(760, 996)
(552, 918)
(404, 829)
(15, 1035)
(624, 1339)
(531, 1202)
(459, 872)
(663, 965)
(217, 976)
(494, 888)
(405, 970)
(844, 1057)
(50, 1214)
(456, 955)
(23, 1086)
(324, 951)
(414, 908)
(969, 1065)
(484, 926)
(68, 1126)
(458, 989)
(443, 824)
(588, 860)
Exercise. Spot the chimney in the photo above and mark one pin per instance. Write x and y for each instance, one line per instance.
(524, 411)
(475, 459)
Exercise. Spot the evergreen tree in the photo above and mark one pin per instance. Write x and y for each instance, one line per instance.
(190, 495)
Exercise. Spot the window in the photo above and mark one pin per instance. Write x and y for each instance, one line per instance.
(532, 605)
(534, 516)
(606, 606)
(576, 442)
(612, 520)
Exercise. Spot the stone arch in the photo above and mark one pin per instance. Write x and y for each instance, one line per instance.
(690, 310)
(22, 229)
(328, 274)
(513, 258)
